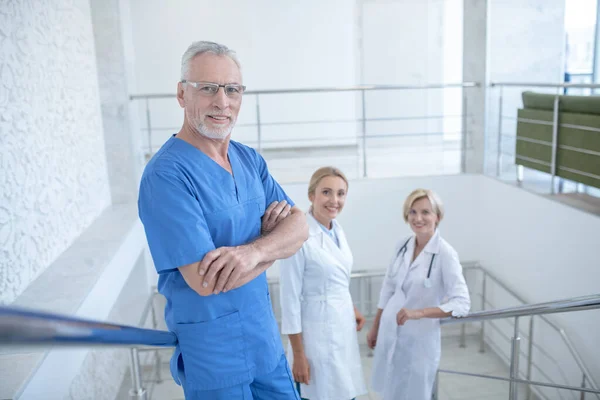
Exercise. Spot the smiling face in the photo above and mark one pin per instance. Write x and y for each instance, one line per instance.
(422, 218)
(212, 116)
(328, 199)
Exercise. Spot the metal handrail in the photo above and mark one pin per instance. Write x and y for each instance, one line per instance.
(20, 326)
(27, 327)
(526, 381)
(576, 356)
(352, 88)
(566, 305)
(362, 135)
(548, 85)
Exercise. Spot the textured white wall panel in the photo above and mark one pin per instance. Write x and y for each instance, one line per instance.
(53, 174)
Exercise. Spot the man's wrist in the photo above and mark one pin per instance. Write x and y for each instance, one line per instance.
(259, 252)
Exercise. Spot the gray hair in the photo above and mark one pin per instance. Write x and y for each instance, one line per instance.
(202, 47)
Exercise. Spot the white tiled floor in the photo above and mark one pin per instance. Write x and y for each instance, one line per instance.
(451, 387)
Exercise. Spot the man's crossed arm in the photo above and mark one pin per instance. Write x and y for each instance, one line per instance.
(284, 230)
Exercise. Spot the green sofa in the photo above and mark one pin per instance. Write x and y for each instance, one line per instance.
(578, 151)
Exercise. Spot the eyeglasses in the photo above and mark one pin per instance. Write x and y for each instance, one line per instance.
(209, 89)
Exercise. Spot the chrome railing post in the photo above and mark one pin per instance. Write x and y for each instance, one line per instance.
(364, 133)
(499, 159)
(514, 362)
(584, 369)
(361, 295)
(530, 357)
(137, 391)
(483, 300)
(582, 395)
(371, 310)
(554, 141)
(463, 336)
(370, 296)
(464, 141)
(157, 360)
(258, 126)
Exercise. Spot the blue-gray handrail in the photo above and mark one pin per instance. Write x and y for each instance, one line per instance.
(19, 326)
(589, 302)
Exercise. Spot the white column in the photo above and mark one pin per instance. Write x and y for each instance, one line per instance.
(475, 69)
(111, 30)
(597, 47)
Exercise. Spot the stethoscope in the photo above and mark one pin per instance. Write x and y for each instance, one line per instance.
(401, 253)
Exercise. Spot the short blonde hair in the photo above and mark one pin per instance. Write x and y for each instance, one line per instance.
(321, 173)
(434, 199)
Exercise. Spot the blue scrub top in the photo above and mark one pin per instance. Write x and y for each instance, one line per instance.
(190, 205)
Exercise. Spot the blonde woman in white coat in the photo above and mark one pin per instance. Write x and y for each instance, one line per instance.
(406, 330)
(317, 310)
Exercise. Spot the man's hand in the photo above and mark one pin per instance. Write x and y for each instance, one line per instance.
(230, 263)
(274, 214)
(405, 314)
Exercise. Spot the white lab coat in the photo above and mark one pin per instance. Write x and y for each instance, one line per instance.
(407, 357)
(315, 301)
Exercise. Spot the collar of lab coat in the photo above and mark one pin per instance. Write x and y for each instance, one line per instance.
(314, 227)
(433, 246)
(341, 252)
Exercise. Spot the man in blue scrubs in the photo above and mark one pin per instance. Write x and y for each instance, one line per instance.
(202, 197)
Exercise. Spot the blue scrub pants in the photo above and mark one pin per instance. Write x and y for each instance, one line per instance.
(276, 385)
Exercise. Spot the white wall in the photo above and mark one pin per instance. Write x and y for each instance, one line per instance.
(53, 171)
(402, 43)
(283, 44)
(313, 43)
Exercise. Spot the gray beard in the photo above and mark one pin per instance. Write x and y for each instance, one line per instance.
(221, 135)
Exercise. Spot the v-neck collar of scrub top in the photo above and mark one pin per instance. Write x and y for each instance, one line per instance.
(233, 176)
